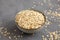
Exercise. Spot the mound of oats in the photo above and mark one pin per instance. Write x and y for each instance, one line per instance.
(30, 19)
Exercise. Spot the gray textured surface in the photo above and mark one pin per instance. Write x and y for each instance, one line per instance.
(9, 8)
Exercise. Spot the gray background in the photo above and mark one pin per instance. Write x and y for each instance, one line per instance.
(9, 8)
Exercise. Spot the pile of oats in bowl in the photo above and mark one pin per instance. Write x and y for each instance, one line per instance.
(30, 19)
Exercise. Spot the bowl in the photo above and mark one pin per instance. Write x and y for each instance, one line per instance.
(29, 30)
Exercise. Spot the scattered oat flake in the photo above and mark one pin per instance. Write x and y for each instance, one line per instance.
(0, 36)
(14, 36)
(1, 32)
(28, 8)
(42, 35)
(53, 35)
(45, 38)
(15, 30)
(47, 35)
(9, 37)
(5, 34)
(56, 14)
(48, 23)
(46, 26)
(34, 2)
(50, 10)
(1, 28)
(5, 31)
(50, 4)
(51, 7)
(46, 17)
(21, 36)
(45, 1)
(48, 13)
(58, 0)
(59, 25)
(18, 36)
(5, 28)
(52, 16)
(45, 11)
(8, 33)
(58, 8)
(34, 5)
(41, 4)
(49, 0)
